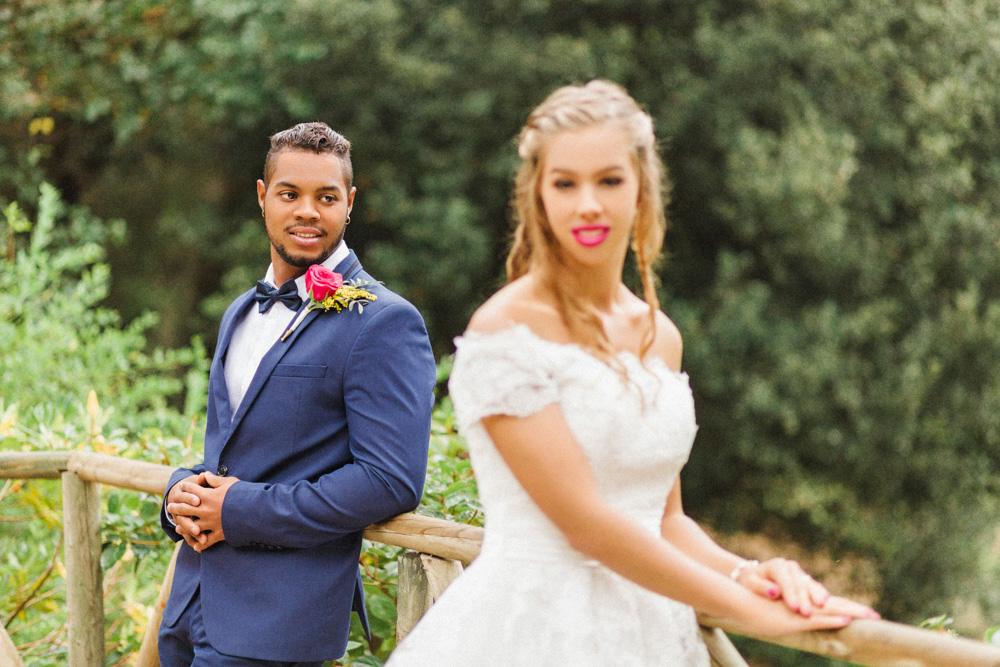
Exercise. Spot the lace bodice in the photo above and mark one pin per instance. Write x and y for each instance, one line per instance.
(636, 436)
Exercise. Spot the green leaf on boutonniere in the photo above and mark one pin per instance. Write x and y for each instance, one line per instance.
(348, 295)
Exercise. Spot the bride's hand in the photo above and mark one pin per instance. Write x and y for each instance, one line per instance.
(843, 606)
(784, 579)
(781, 578)
(777, 619)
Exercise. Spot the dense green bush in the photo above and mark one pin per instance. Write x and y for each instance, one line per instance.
(833, 238)
(840, 294)
(72, 376)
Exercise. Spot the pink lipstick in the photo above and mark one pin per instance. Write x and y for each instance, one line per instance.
(591, 235)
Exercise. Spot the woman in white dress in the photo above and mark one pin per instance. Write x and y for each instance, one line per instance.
(567, 388)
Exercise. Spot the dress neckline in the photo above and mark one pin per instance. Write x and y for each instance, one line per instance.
(654, 361)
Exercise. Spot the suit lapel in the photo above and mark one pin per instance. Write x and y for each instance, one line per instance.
(350, 267)
(219, 388)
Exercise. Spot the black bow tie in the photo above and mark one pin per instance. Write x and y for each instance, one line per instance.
(287, 294)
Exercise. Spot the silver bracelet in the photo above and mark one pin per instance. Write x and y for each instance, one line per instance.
(738, 570)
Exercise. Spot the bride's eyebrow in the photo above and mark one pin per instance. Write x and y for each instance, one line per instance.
(571, 172)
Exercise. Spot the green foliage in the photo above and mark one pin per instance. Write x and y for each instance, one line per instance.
(842, 312)
(940, 623)
(57, 344)
(73, 377)
(833, 239)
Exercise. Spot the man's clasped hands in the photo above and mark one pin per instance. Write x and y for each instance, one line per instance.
(195, 504)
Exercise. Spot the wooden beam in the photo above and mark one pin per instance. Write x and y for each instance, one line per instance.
(875, 643)
(447, 539)
(881, 644)
(122, 473)
(84, 590)
(32, 465)
(439, 537)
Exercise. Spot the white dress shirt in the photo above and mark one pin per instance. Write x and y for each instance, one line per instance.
(256, 332)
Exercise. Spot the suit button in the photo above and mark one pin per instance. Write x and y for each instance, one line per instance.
(223, 471)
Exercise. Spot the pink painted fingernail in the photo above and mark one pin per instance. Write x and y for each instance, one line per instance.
(773, 592)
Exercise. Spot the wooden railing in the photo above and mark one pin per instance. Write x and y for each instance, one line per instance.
(439, 547)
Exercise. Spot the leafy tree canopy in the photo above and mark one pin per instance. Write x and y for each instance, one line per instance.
(833, 243)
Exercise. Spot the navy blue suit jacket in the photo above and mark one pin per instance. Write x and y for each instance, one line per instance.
(331, 436)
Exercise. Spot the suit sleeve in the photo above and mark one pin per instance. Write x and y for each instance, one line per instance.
(389, 396)
(179, 474)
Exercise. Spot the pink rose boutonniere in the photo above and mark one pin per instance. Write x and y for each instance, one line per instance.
(328, 291)
(321, 282)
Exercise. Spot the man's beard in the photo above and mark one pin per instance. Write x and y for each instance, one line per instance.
(303, 262)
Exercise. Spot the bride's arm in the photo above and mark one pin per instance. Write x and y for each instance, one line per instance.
(685, 534)
(545, 458)
(774, 578)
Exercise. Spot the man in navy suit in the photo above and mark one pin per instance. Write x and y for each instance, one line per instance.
(317, 427)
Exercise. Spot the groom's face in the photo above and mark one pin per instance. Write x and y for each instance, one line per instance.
(305, 208)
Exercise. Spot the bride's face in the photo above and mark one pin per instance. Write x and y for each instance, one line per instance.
(590, 192)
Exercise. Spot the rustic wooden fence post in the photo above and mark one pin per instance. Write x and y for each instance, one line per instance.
(8, 652)
(422, 580)
(149, 655)
(84, 589)
(721, 649)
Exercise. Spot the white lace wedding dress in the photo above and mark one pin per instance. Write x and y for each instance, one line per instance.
(529, 598)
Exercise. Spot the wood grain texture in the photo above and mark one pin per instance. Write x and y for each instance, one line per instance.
(881, 644)
(84, 590)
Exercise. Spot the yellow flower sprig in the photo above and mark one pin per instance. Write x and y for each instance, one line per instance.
(347, 296)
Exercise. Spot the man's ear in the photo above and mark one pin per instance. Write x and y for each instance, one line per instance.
(261, 190)
(350, 198)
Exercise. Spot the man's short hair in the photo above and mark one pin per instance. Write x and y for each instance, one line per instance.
(316, 137)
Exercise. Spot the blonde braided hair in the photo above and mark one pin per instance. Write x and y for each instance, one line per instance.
(572, 108)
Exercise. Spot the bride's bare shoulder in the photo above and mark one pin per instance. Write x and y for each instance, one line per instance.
(667, 342)
(520, 302)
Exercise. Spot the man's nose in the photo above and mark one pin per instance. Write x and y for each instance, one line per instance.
(306, 209)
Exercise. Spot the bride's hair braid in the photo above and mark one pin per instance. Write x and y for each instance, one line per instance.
(572, 108)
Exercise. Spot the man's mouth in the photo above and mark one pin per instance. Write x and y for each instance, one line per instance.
(305, 238)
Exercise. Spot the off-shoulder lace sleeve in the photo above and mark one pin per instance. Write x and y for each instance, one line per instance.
(501, 373)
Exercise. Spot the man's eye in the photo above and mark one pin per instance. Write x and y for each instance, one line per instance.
(287, 196)
(328, 199)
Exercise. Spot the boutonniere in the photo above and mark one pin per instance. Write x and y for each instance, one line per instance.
(328, 291)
